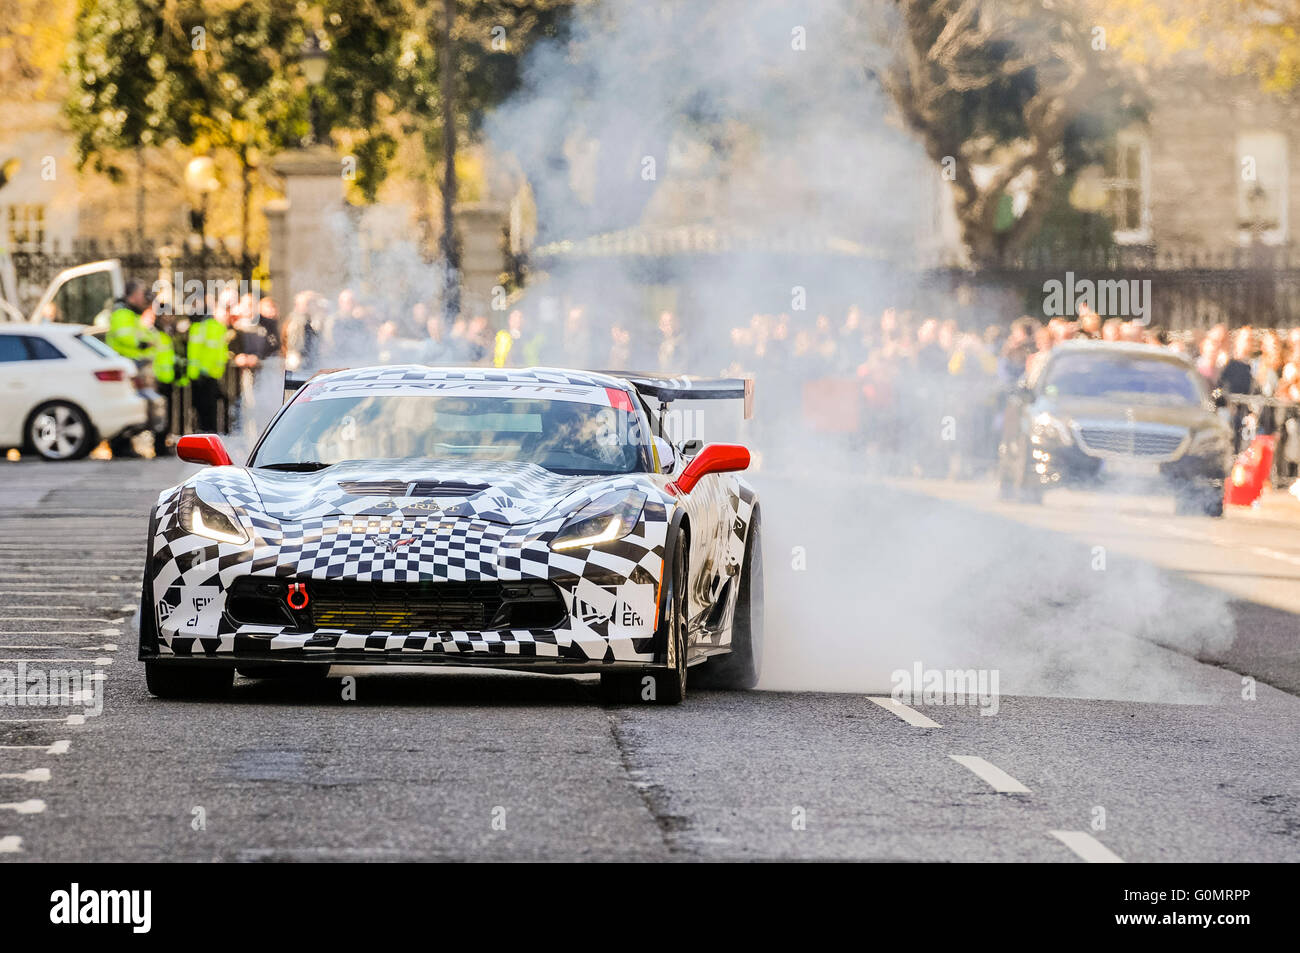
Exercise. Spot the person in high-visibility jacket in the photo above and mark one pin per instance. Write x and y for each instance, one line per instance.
(159, 327)
(126, 334)
(207, 351)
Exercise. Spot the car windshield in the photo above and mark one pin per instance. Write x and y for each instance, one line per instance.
(564, 435)
(1096, 375)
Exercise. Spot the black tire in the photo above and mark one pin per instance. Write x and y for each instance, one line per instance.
(1205, 503)
(171, 680)
(740, 668)
(58, 430)
(292, 672)
(665, 686)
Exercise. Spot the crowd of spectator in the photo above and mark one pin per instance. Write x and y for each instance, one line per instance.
(909, 375)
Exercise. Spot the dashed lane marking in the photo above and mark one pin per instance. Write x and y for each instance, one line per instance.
(35, 774)
(108, 647)
(991, 774)
(70, 720)
(1087, 847)
(57, 747)
(54, 618)
(105, 632)
(909, 715)
(11, 844)
(99, 661)
(31, 806)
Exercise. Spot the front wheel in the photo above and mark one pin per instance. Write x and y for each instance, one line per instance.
(166, 680)
(665, 686)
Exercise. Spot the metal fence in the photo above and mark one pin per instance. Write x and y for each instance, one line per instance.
(34, 269)
(1189, 289)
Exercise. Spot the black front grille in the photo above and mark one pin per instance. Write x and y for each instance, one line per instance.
(399, 606)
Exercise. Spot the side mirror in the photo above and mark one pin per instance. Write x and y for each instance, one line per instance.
(715, 458)
(667, 456)
(203, 448)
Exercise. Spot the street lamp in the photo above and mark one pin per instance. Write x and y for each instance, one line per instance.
(313, 60)
(201, 180)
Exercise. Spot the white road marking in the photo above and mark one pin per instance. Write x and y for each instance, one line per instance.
(52, 585)
(98, 661)
(106, 632)
(31, 806)
(11, 844)
(909, 715)
(45, 579)
(83, 697)
(108, 647)
(9, 589)
(991, 774)
(35, 774)
(70, 720)
(52, 618)
(58, 747)
(1087, 847)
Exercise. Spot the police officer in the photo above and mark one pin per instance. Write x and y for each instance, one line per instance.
(207, 351)
(125, 333)
(168, 378)
(128, 336)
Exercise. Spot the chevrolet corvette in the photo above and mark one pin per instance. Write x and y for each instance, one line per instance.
(534, 520)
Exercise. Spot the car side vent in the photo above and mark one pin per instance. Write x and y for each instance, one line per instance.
(373, 488)
(446, 488)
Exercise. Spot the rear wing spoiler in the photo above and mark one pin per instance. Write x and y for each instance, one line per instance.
(666, 389)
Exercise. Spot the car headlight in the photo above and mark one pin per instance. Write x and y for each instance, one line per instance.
(1045, 424)
(204, 512)
(603, 520)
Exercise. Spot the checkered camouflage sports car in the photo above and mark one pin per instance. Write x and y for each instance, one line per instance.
(532, 519)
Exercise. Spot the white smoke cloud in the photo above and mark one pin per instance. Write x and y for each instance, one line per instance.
(761, 121)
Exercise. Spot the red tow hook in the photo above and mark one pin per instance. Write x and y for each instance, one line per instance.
(297, 590)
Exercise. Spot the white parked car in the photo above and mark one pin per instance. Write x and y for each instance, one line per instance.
(62, 391)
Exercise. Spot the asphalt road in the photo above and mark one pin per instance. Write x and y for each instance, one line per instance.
(1147, 703)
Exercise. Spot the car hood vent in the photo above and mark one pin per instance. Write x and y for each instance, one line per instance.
(445, 488)
(373, 487)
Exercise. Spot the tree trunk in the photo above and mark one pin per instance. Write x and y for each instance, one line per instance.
(139, 197)
(450, 245)
(246, 197)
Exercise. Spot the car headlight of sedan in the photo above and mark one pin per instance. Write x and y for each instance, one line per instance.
(204, 512)
(603, 520)
(1045, 425)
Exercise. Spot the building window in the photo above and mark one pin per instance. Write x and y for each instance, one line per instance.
(1262, 186)
(1126, 182)
(26, 225)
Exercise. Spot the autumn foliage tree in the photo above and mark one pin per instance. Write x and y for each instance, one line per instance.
(1007, 96)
